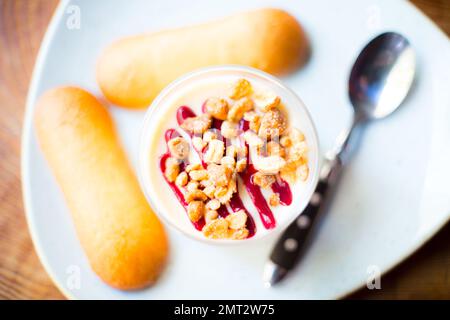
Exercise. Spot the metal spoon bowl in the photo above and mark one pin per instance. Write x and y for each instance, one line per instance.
(379, 81)
(381, 76)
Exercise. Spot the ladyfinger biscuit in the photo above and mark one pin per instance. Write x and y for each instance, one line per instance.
(132, 71)
(123, 239)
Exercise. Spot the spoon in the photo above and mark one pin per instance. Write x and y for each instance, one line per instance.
(379, 82)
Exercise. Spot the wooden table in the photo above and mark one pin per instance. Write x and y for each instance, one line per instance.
(22, 25)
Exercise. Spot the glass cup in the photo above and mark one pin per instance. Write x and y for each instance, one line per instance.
(161, 115)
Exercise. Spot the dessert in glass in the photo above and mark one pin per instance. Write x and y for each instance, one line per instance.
(228, 154)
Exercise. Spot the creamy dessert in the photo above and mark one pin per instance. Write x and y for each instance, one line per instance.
(231, 156)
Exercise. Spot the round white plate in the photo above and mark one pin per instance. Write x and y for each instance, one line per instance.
(392, 198)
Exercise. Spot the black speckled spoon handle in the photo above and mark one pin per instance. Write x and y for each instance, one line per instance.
(291, 243)
(288, 248)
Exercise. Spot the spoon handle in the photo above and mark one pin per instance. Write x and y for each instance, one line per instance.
(289, 246)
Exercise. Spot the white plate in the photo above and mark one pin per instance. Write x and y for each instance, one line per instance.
(392, 198)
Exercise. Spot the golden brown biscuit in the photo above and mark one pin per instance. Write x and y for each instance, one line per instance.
(132, 71)
(124, 241)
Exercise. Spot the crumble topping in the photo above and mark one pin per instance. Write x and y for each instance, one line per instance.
(240, 89)
(215, 150)
(195, 195)
(196, 210)
(229, 129)
(274, 148)
(241, 165)
(239, 108)
(217, 107)
(198, 175)
(197, 125)
(269, 164)
(263, 180)
(238, 234)
(182, 179)
(266, 101)
(172, 169)
(211, 215)
(193, 185)
(194, 166)
(273, 124)
(254, 120)
(199, 143)
(237, 220)
(179, 148)
(274, 200)
(228, 161)
(248, 118)
(213, 204)
(216, 229)
(209, 135)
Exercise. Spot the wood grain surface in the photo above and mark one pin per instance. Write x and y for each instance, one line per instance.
(425, 275)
